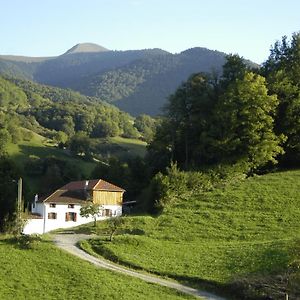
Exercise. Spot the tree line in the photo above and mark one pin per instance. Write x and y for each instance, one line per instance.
(247, 117)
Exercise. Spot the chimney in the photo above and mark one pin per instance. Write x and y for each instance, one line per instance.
(85, 190)
(36, 198)
(86, 184)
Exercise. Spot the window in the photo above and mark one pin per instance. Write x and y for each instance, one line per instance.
(107, 213)
(52, 216)
(52, 205)
(71, 205)
(71, 216)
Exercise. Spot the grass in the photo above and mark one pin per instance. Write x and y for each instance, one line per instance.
(135, 147)
(46, 272)
(247, 230)
(40, 147)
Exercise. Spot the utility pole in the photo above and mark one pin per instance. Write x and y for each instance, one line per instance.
(19, 205)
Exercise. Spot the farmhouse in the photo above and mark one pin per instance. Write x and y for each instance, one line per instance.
(61, 209)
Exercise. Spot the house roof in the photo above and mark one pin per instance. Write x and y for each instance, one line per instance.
(94, 184)
(77, 192)
(64, 196)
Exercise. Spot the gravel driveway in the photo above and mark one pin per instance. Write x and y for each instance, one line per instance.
(68, 242)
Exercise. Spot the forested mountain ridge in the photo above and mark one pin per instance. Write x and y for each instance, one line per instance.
(137, 81)
(55, 112)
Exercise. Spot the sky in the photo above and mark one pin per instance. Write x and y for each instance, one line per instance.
(50, 27)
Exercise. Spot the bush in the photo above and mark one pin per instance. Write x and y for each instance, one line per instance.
(166, 189)
(28, 241)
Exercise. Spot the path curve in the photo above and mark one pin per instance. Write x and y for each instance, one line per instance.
(68, 243)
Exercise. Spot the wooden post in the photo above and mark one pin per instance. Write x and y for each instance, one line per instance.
(19, 206)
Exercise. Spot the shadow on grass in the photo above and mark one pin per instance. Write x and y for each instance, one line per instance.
(265, 278)
(24, 242)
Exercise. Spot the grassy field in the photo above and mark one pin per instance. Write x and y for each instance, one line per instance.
(38, 146)
(247, 231)
(134, 147)
(45, 272)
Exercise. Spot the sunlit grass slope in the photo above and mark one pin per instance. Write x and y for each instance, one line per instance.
(45, 272)
(243, 230)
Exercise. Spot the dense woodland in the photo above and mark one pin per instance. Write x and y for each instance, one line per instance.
(246, 117)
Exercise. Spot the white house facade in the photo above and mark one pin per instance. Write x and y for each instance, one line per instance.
(61, 209)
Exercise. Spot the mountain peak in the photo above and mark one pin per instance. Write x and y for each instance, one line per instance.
(86, 48)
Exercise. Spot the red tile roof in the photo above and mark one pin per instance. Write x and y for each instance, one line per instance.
(78, 191)
(63, 196)
(94, 184)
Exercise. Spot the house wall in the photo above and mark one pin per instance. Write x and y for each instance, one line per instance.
(34, 226)
(107, 198)
(46, 225)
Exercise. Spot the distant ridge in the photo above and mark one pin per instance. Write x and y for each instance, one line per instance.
(27, 59)
(136, 81)
(85, 48)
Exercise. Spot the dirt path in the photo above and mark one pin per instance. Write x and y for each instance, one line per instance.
(68, 243)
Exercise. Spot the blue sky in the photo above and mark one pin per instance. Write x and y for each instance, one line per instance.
(50, 27)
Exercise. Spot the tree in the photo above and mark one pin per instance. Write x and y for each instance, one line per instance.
(60, 137)
(105, 128)
(114, 224)
(5, 138)
(80, 143)
(52, 178)
(234, 68)
(91, 210)
(188, 115)
(245, 124)
(146, 126)
(282, 71)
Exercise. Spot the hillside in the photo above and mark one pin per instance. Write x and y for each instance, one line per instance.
(144, 85)
(137, 81)
(55, 136)
(240, 239)
(49, 110)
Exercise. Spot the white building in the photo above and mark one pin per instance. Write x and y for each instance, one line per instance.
(61, 209)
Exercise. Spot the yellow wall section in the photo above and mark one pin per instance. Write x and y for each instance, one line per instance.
(107, 198)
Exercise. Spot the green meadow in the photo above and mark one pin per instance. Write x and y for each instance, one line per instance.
(248, 231)
(45, 272)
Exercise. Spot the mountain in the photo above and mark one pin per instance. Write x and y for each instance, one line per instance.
(144, 85)
(86, 48)
(137, 81)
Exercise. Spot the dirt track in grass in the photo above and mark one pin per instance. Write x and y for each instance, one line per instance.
(68, 242)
